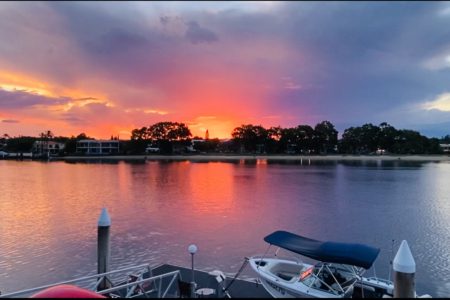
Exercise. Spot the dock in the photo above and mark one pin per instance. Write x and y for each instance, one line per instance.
(161, 281)
(240, 288)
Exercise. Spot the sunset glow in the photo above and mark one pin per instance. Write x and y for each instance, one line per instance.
(106, 68)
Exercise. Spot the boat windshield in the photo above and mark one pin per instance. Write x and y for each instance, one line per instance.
(332, 278)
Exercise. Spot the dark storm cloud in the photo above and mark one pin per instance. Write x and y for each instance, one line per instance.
(368, 57)
(118, 43)
(355, 61)
(115, 41)
(164, 20)
(196, 34)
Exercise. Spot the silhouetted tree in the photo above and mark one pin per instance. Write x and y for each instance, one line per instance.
(305, 136)
(20, 144)
(209, 145)
(46, 135)
(445, 139)
(368, 138)
(250, 137)
(138, 141)
(409, 142)
(4, 141)
(432, 146)
(273, 144)
(168, 134)
(387, 137)
(351, 141)
(140, 134)
(325, 137)
(289, 140)
(170, 131)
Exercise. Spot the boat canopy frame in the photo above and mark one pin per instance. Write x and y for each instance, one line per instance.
(335, 287)
(358, 255)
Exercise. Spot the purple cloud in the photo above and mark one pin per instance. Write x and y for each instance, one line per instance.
(369, 59)
(196, 34)
(19, 99)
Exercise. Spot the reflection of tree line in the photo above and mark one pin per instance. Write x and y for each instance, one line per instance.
(174, 137)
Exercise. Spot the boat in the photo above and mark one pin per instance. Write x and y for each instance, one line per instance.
(337, 273)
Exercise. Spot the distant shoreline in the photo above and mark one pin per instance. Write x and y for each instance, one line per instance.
(215, 157)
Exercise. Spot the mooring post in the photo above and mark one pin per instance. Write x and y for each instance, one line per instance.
(192, 250)
(404, 271)
(103, 249)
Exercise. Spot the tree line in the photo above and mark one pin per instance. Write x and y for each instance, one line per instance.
(175, 137)
(368, 138)
(323, 139)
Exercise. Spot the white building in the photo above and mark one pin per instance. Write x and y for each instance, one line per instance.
(445, 148)
(191, 147)
(98, 147)
(47, 148)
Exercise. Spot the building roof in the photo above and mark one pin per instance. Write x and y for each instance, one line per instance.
(98, 141)
(49, 142)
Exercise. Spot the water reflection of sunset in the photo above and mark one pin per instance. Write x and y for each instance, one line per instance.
(211, 187)
(49, 211)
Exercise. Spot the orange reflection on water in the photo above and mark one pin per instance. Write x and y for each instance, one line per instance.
(211, 187)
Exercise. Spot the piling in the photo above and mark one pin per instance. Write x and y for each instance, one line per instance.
(103, 246)
(404, 273)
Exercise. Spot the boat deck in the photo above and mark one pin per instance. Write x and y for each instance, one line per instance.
(239, 289)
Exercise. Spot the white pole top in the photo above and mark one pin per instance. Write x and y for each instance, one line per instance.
(192, 249)
(404, 261)
(104, 220)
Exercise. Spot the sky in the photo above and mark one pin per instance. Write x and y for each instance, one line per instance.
(106, 68)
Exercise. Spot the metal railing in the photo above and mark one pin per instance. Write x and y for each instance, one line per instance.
(129, 287)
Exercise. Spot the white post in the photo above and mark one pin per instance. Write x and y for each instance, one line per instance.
(103, 249)
(404, 271)
(192, 250)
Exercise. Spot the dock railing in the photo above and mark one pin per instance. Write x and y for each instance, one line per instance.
(133, 284)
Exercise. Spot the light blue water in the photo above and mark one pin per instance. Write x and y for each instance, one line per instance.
(49, 213)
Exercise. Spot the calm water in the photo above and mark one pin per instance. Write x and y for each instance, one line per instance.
(49, 213)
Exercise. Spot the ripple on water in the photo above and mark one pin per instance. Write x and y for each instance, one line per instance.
(226, 209)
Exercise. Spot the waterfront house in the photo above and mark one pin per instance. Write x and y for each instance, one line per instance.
(194, 142)
(46, 148)
(380, 151)
(445, 148)
(97, 147)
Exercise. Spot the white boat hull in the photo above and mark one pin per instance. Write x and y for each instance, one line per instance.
(278, 292)
(280, 287)
(282, 279)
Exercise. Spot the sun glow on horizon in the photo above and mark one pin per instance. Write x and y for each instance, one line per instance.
(64, 114)
(441, 102)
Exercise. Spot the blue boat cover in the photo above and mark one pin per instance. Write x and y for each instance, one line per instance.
(342, 253)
